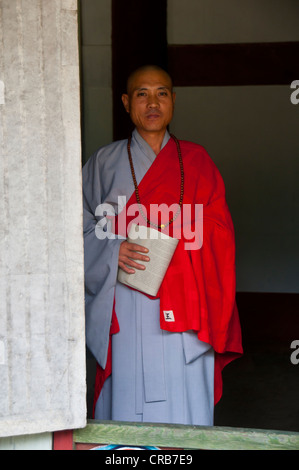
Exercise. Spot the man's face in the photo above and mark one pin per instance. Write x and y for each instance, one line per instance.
(150, 101)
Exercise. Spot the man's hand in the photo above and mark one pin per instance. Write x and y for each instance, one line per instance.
(128, 253)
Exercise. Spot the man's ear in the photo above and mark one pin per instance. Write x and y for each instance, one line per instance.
(125, 100)
(173, 97)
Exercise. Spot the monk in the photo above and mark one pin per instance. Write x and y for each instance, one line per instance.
(159, 358)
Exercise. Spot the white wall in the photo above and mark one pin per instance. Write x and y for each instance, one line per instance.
(251, 132)
(29, 442)
(42, 363)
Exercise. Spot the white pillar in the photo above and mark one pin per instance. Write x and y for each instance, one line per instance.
(42, 347)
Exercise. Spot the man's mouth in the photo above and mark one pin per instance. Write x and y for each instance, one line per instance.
(153, 115)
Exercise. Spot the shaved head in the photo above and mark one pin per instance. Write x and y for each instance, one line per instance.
(143, 69)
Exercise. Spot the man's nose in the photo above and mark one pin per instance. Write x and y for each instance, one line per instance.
(153, 101)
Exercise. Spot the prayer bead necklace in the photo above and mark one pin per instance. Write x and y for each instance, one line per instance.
(162, 226)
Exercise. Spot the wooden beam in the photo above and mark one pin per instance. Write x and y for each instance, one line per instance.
(187, 437)
(234, 64)
(139, 37)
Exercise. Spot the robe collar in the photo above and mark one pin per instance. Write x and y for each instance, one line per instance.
(145, 147)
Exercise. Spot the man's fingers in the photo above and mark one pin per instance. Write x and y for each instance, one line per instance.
(125, 268)
(135, 247)
(129, 266)
(131, 261)
(133, 251)
(137, 256)
(129, 253)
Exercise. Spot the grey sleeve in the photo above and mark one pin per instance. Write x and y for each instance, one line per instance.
(100, 264)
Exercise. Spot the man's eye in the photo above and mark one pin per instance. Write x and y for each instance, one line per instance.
(141, 93)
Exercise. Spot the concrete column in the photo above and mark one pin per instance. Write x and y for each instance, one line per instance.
(42, 347)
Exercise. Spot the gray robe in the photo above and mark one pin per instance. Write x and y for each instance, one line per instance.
(157, 376)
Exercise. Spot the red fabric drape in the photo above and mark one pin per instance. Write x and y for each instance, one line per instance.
(199, 286)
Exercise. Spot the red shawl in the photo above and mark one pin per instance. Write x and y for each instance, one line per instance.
(199, 286)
